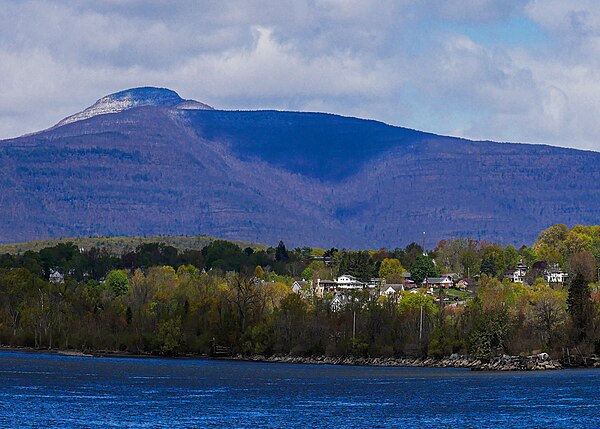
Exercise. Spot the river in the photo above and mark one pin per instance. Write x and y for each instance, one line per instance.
(53, 391)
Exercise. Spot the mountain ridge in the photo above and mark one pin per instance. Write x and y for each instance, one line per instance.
(307, 178)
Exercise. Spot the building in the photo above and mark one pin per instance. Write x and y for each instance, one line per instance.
(299, 285)
(349, 282)
(344, 283)
(555, 275)
(437, 282)
(464, 283)
(390, 289)
(56, 277)
(518, 275)
(339, 301)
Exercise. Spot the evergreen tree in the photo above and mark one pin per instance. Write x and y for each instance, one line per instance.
(281, 253)
(423, 267)
(578, 302)
(357, 264)
(488, 265)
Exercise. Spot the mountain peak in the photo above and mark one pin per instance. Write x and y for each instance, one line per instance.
(135, 97)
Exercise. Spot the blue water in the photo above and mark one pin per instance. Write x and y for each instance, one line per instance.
(51, 391)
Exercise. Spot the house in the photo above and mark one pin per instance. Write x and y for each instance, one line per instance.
(56, 277)
(407, 280)
(518, 275)
(390, 289)
(464, 283)
(349, 282)
(555, 275)
(323, 286)
(438, 282)
(376, 282)
(339, 301)
(298, 286)
(344, 282)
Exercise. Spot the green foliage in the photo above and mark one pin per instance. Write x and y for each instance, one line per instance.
(179, 300)
(444, 339)
(314, 269)
(357, 264)
(459, 255)
(223, 255)
(488, 265)
(423, 267)
(413, 302)
(169, 336)
(281, 253)
(391, 270)
(118, 282)
(488, 337)
(117, 246)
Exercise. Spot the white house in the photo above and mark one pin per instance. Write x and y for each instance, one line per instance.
(56, 277)
(348, 282)
(438, 282)
(297, 286)
(390, 289)
(339, 301)
(518, 275)
(344, 282)
(555, 274)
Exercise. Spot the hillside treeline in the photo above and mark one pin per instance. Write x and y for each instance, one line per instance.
(156, 299)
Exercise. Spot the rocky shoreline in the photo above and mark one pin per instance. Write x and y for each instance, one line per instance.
(539, 362)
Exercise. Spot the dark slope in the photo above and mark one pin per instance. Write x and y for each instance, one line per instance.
(322, 146)
(306, 178)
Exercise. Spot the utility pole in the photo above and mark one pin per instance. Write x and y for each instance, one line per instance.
(421, 326)
(354, 324)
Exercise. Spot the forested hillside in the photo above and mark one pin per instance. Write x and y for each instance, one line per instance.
(156, 299)
(158, 167)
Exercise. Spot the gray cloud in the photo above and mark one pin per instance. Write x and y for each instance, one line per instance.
(399, 61)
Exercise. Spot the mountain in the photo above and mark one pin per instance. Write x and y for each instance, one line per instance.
(136, 97)
(145, 161)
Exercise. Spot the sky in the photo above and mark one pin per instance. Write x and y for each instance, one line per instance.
(503, 70)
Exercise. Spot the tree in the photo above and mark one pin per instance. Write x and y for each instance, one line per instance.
(224, 255)
(458, 255)
(248, 297)
(511, 257)
(281, 253)
(488, 265)
(583, 263)
(489, 334)
(313, 270)
(423, 267)
(410, 254)
(357, 264)
(391, 270)
(579, 304)
(259, 272)
(547, 314)
(118, 282)
(553, 236)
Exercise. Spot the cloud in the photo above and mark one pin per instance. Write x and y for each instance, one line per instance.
(434, 65)
(479, 11)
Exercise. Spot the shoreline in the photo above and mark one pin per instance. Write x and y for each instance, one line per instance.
(541, 362)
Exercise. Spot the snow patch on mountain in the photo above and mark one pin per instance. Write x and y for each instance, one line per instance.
(135, 97)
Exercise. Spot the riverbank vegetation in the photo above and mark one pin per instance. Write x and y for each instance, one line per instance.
(160, 299)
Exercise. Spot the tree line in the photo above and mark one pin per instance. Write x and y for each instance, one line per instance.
(158, 299)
